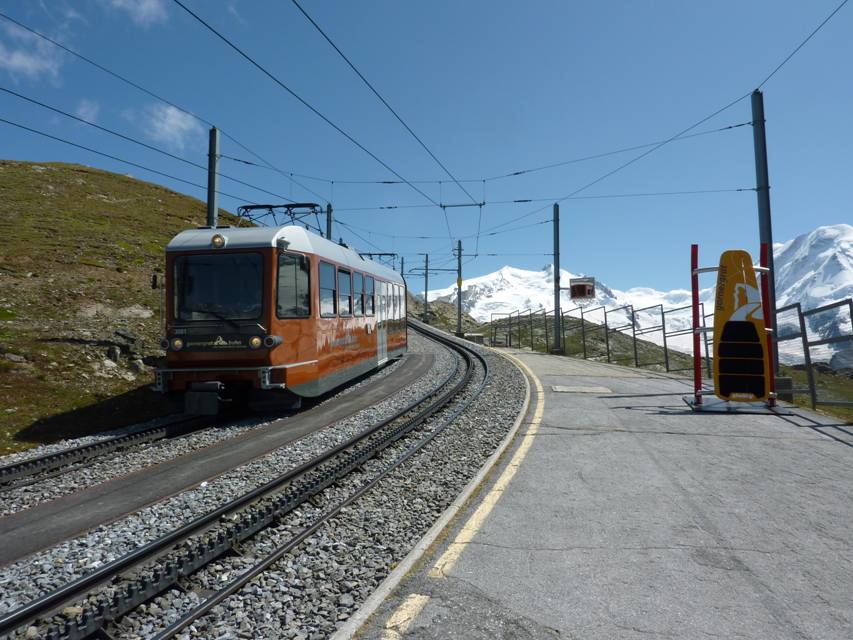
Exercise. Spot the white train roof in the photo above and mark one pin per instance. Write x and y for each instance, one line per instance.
(297, 239)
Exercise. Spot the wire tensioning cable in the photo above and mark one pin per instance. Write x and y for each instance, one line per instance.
(308, 105)
(117, 159)
(382, 100)
(802, 44)
(157, 97)
(135, 141)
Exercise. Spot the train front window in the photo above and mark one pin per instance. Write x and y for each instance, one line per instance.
(293, 298)
(218, 286)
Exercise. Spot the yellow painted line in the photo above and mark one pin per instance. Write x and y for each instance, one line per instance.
(398, 624)
(448, 559)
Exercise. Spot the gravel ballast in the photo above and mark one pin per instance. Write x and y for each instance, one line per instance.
(46, 570)
(315, 589)
(136, 457)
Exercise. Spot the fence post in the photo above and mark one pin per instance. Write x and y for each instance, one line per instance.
(634, 333)
(545, 319)
(807, 356)
(665, 348)
(583, 335)
(606, 335)
(708, 367)
(563, 331)
(530, 317)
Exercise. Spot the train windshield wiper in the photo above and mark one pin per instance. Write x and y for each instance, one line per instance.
(215, 314)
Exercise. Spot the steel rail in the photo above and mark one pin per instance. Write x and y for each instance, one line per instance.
(280, 551)
(143, 588)
(51, 461)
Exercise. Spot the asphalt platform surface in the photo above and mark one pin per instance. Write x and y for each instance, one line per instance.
(632, 517)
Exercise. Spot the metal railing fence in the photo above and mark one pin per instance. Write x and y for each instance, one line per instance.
(534, 329)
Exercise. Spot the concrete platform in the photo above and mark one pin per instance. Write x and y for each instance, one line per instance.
(619, 513)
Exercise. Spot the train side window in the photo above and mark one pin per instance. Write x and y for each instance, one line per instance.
(344, 293)
(358, 293)
(293, 295)
(328, 290)
(369, 298)
(395, 292)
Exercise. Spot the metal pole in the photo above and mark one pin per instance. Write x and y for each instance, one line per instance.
(426, 288)
(606, 335)
(459, 288)
(697, 357)
(762, 191)
(329, 220)
(583, 334)
(557, 316)
(766, 250)
(212, 178)
(665, 347)
(807, 355)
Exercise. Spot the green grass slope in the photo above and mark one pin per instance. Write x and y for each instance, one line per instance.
(78, 249)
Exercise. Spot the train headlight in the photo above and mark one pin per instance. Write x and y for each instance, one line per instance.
(255, 342)
(177, 344)
(218, 241)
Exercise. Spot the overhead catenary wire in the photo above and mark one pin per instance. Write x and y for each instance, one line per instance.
(802, 44)
(136, 141)
(309, 106)
(117, 159)
(530, 200)
(157, 97)
(684, 131)
(382, 99)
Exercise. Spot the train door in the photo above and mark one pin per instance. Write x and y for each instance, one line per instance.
(382, 323)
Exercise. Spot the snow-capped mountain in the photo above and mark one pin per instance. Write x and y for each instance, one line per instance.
(813, 269)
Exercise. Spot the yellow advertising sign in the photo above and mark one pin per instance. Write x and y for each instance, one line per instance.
(741, 365)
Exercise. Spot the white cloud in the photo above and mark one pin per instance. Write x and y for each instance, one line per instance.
(232, 9)
(143, 12)
(172, 127)
(87, 110)
(25, 54)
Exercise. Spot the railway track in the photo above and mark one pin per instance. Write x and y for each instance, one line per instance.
(164, 562)
(19, 474)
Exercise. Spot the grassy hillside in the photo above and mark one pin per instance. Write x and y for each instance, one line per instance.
(77, 313)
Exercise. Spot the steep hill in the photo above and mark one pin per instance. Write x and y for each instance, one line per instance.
(77, 313)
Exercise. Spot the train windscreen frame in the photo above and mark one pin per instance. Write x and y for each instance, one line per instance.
(218, 286)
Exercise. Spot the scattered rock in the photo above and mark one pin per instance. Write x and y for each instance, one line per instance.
(72, 611)
(13, 357)
(137, 365)
(346, 600)
(113, 353)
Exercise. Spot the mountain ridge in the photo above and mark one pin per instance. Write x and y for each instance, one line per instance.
(814, 269)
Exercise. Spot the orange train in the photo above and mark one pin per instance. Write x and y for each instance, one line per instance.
(272, 314)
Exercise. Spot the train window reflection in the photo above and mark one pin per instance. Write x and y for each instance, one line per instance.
(369, 299)
(358, 293)
(344, 293)
(293, 296)
(328, 290)
(224, 286)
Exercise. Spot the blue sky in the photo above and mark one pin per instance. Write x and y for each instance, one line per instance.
(491, 88)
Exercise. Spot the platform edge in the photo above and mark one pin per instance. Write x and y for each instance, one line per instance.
(372, 604)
